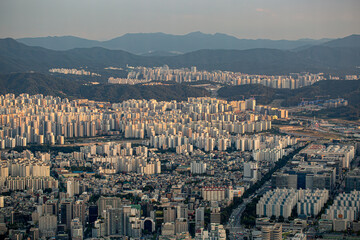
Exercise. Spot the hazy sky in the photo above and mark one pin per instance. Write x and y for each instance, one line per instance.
(106, 19)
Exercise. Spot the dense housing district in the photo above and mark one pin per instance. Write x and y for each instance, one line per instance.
(204, 168)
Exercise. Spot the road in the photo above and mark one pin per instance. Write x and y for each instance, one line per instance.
(237, 231)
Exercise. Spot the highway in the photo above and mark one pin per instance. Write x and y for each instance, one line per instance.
(237, 231)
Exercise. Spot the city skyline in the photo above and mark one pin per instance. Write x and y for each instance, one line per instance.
(243, 19)
(169, 119)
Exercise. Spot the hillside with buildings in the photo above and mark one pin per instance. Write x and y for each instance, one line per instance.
(18, 57)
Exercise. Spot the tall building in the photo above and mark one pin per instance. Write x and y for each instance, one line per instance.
(199, 217)
(272, 232)
(76, 229)
(114, 221)
(79, 211)
(213, 193)
(48, 226)
(250, 171)
(280, 202)
(197, 167)
(93, 214)
(108, 202)
(217, 231)
(70, 187)
(51, 207)
(306, 176)
(250, 104)
(169, 214)
(66, 212)
(123, 221)
(215, 215)
(352, 180)
(99, 229)
(168, 229)
(181, 225)
(34, 233)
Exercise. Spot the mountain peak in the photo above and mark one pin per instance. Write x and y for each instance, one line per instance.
(139, 43)
(8, 42)
(196, 33)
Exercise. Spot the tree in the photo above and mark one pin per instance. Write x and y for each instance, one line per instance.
(148, 188)
(47, 190)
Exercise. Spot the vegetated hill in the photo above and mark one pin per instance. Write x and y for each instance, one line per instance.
(352, 41)
(253, 61)
(60, 43)
(262, 94)
(349, 41)
(338, 59)
(328, 89)
(17, 57)
(117, 93)
(105, 74)
(35, 83)
(265, 95)
(140, 43)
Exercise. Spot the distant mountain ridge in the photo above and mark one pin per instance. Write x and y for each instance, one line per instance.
(142, 43)
(18, 57)
(352, 41)
(60, 43)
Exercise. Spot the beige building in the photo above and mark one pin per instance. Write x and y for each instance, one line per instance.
(272, 232)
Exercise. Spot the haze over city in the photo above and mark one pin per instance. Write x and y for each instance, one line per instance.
(103, 20)
(179, 120)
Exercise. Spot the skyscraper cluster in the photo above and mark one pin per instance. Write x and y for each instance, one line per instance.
(42, 119)
(26, 172)
(113, 158)
(164, 73)
(280, 202)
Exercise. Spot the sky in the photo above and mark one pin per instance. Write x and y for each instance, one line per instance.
(250, 19)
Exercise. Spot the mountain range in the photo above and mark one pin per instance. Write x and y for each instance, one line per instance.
(25, 69)
(162, 44)
(340, 56)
